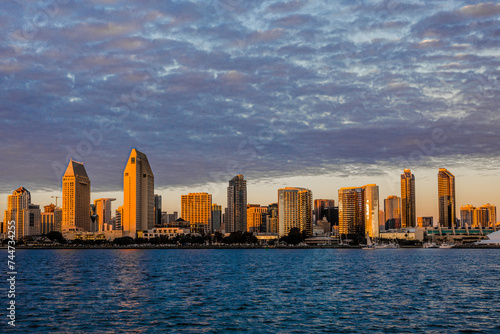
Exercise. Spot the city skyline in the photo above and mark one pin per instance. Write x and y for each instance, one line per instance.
(389, 190)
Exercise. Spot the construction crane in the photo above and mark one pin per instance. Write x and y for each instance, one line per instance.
(56, 197)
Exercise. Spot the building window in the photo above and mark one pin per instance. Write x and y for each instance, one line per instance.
(132, 160)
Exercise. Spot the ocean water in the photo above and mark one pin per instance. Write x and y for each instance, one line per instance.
(256, 291)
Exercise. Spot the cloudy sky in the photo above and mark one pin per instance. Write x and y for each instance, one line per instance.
(320, 94)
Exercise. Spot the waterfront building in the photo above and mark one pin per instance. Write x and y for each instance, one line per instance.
(358, 211)
(216, 217)
(164, 232)
(236, 213)
(103, 212)
(408, 211)
(17, 206)
(138, 195)
(255, 215)
(425, 221)
(51, 219)
(482, 217)
(157, 210)
(294, 210)
(381, 220)
(76, 197)
(272, 219)
(197, 209)
(319, 206)
(118, 219)
(392, 209)
(446, 195)
(466, 215)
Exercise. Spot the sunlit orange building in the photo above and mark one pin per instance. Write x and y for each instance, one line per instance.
(196, 208)
(76, 197)
(138, 195)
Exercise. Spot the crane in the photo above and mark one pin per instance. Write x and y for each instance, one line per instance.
(56, 197)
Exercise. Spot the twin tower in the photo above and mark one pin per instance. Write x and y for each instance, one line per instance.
(137, 212)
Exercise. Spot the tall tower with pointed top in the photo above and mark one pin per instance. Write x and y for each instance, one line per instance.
(446, 194)
(408, 211)
(138, 194)
(76, 197)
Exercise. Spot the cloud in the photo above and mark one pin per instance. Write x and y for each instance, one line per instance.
(267, 88)
(488, 9)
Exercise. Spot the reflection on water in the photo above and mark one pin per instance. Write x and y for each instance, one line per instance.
(258, 291)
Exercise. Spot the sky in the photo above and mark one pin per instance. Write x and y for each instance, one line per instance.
(320, 94)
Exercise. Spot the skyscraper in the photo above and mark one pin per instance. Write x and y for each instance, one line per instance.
(216, 217)
(446, 194)
(196, 208)
(408, 212)
(51, 219)
(236, 218)
(320, 205)
(392, 209)
(76, 197)
(157, 210)
(272, 218)
(358, 211)
(103, 211)
(138, 194)
(17, 210)
(294, 210)
(255, 217)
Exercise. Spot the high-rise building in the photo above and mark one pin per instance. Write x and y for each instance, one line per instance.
(446, 194)
(103, 212)
(255, 217)
(51, 219)
(17, 210)
(294, 210)
(392, 209)
(76, 197)
(138, 194)
(358, 211)
(482, 217)
(408, 212)
(425, 221)
(492, 215)
(272, 218)
(118, 219)
(236, 217)
(320, 205)
(466, 215)
(216, 217)
(196, 208)
(157, 210)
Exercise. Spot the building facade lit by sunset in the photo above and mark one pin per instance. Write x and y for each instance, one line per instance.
(446, 195)
(359, 211)
(294, 210)
(138, 195)
(481, 217)
(76, 198)
(319, 206)
(408, 209)
(196, 208)
(392, 210)
(103, 211)
(236, 212)
(256, 218)
(18, 205)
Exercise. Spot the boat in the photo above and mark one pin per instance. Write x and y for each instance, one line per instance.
(430, 245)
(446, 246)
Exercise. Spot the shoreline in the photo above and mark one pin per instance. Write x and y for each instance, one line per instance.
(234, 247)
